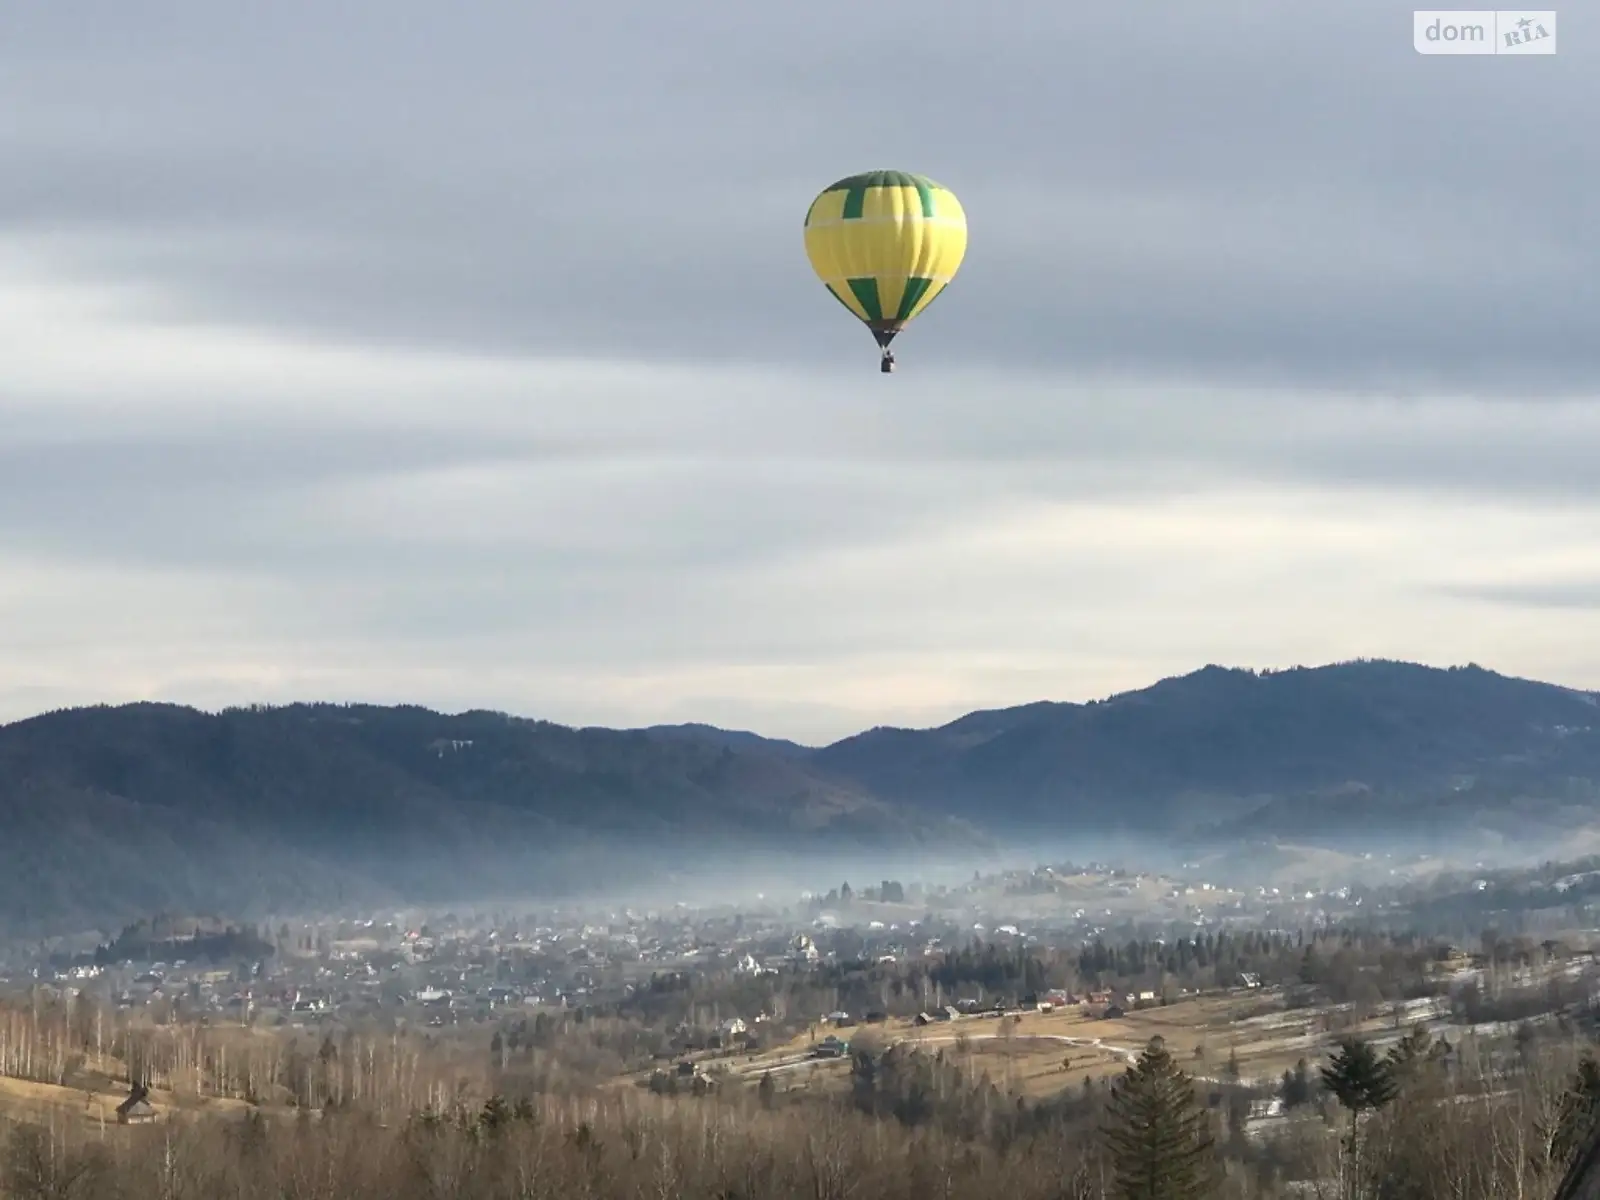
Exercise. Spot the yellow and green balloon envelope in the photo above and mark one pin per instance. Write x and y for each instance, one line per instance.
(885, 244)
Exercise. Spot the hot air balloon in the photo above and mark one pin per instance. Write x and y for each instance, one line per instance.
(885, 244)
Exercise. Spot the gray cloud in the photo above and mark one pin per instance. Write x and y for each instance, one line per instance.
(1270, 194)
(1582, 594)
(388, 352)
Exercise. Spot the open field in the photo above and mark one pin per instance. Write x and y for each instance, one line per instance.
(1043, 1053)
(95, 1104)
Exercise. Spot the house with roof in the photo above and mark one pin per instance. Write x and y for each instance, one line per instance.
(136, 1109)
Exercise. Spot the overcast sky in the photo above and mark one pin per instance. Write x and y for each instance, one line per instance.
(467, 355)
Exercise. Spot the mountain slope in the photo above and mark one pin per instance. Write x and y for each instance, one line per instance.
(129, 809)
(734, 739)
(1218, 743)
(115, 813)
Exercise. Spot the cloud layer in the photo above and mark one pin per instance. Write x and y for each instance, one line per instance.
(401, 353)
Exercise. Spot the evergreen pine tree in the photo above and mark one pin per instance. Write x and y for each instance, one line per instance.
(1158, 1135)
(1296, 1088)
(1361, 1081)
(1408, 1058)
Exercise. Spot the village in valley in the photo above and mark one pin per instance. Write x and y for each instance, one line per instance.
(470, 967)
(1037, 983)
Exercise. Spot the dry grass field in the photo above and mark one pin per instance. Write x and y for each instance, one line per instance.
(96, 1106)
(1042, 1053)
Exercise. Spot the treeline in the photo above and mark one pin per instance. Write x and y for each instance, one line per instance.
(83, 1043)
(1343, 966)
(164, 939)
(933, 1089)
(80, 1043)
(1419, 1122)
(599, 1148)
(890, 891)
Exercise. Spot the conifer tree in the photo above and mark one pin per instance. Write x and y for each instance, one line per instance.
(1158, 1135)
(1412, 1054)
(1362, 1082)
(1295, 1089)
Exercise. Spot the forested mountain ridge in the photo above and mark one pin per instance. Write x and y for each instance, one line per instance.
(133, 809)
(124, 811)
(1221, 745)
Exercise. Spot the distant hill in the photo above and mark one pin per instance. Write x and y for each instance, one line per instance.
(734, 739)
(1360, 747)
(117, 813)
(121, 812)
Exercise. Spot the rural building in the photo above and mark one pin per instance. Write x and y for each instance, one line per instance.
(136, 1109)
